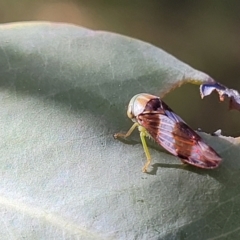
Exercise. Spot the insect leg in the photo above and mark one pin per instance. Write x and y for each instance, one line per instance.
(129, 132)
(145, 148)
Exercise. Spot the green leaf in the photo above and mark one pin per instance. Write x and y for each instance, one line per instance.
(64, 92)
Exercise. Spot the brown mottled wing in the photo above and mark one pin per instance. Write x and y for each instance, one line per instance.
(168, 130)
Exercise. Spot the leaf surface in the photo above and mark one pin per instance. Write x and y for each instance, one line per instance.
(64, 91)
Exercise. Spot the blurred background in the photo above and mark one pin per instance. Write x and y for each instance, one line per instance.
(205, 34)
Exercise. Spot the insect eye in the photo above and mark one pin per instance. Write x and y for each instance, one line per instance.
(129, 114)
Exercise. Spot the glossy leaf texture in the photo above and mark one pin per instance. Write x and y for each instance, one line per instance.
(64, 91)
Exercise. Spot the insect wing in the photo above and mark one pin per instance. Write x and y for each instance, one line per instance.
(203, 156)
(192, 149)
(169, 113)
(160, 128)
(178, 138)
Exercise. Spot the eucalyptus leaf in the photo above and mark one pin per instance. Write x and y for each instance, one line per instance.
(64, 92)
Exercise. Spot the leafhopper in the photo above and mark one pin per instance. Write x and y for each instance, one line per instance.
(156, 120)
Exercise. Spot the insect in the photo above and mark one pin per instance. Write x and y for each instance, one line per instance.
(156, 120)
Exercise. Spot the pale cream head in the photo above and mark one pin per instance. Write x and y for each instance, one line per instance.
(137, 104)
